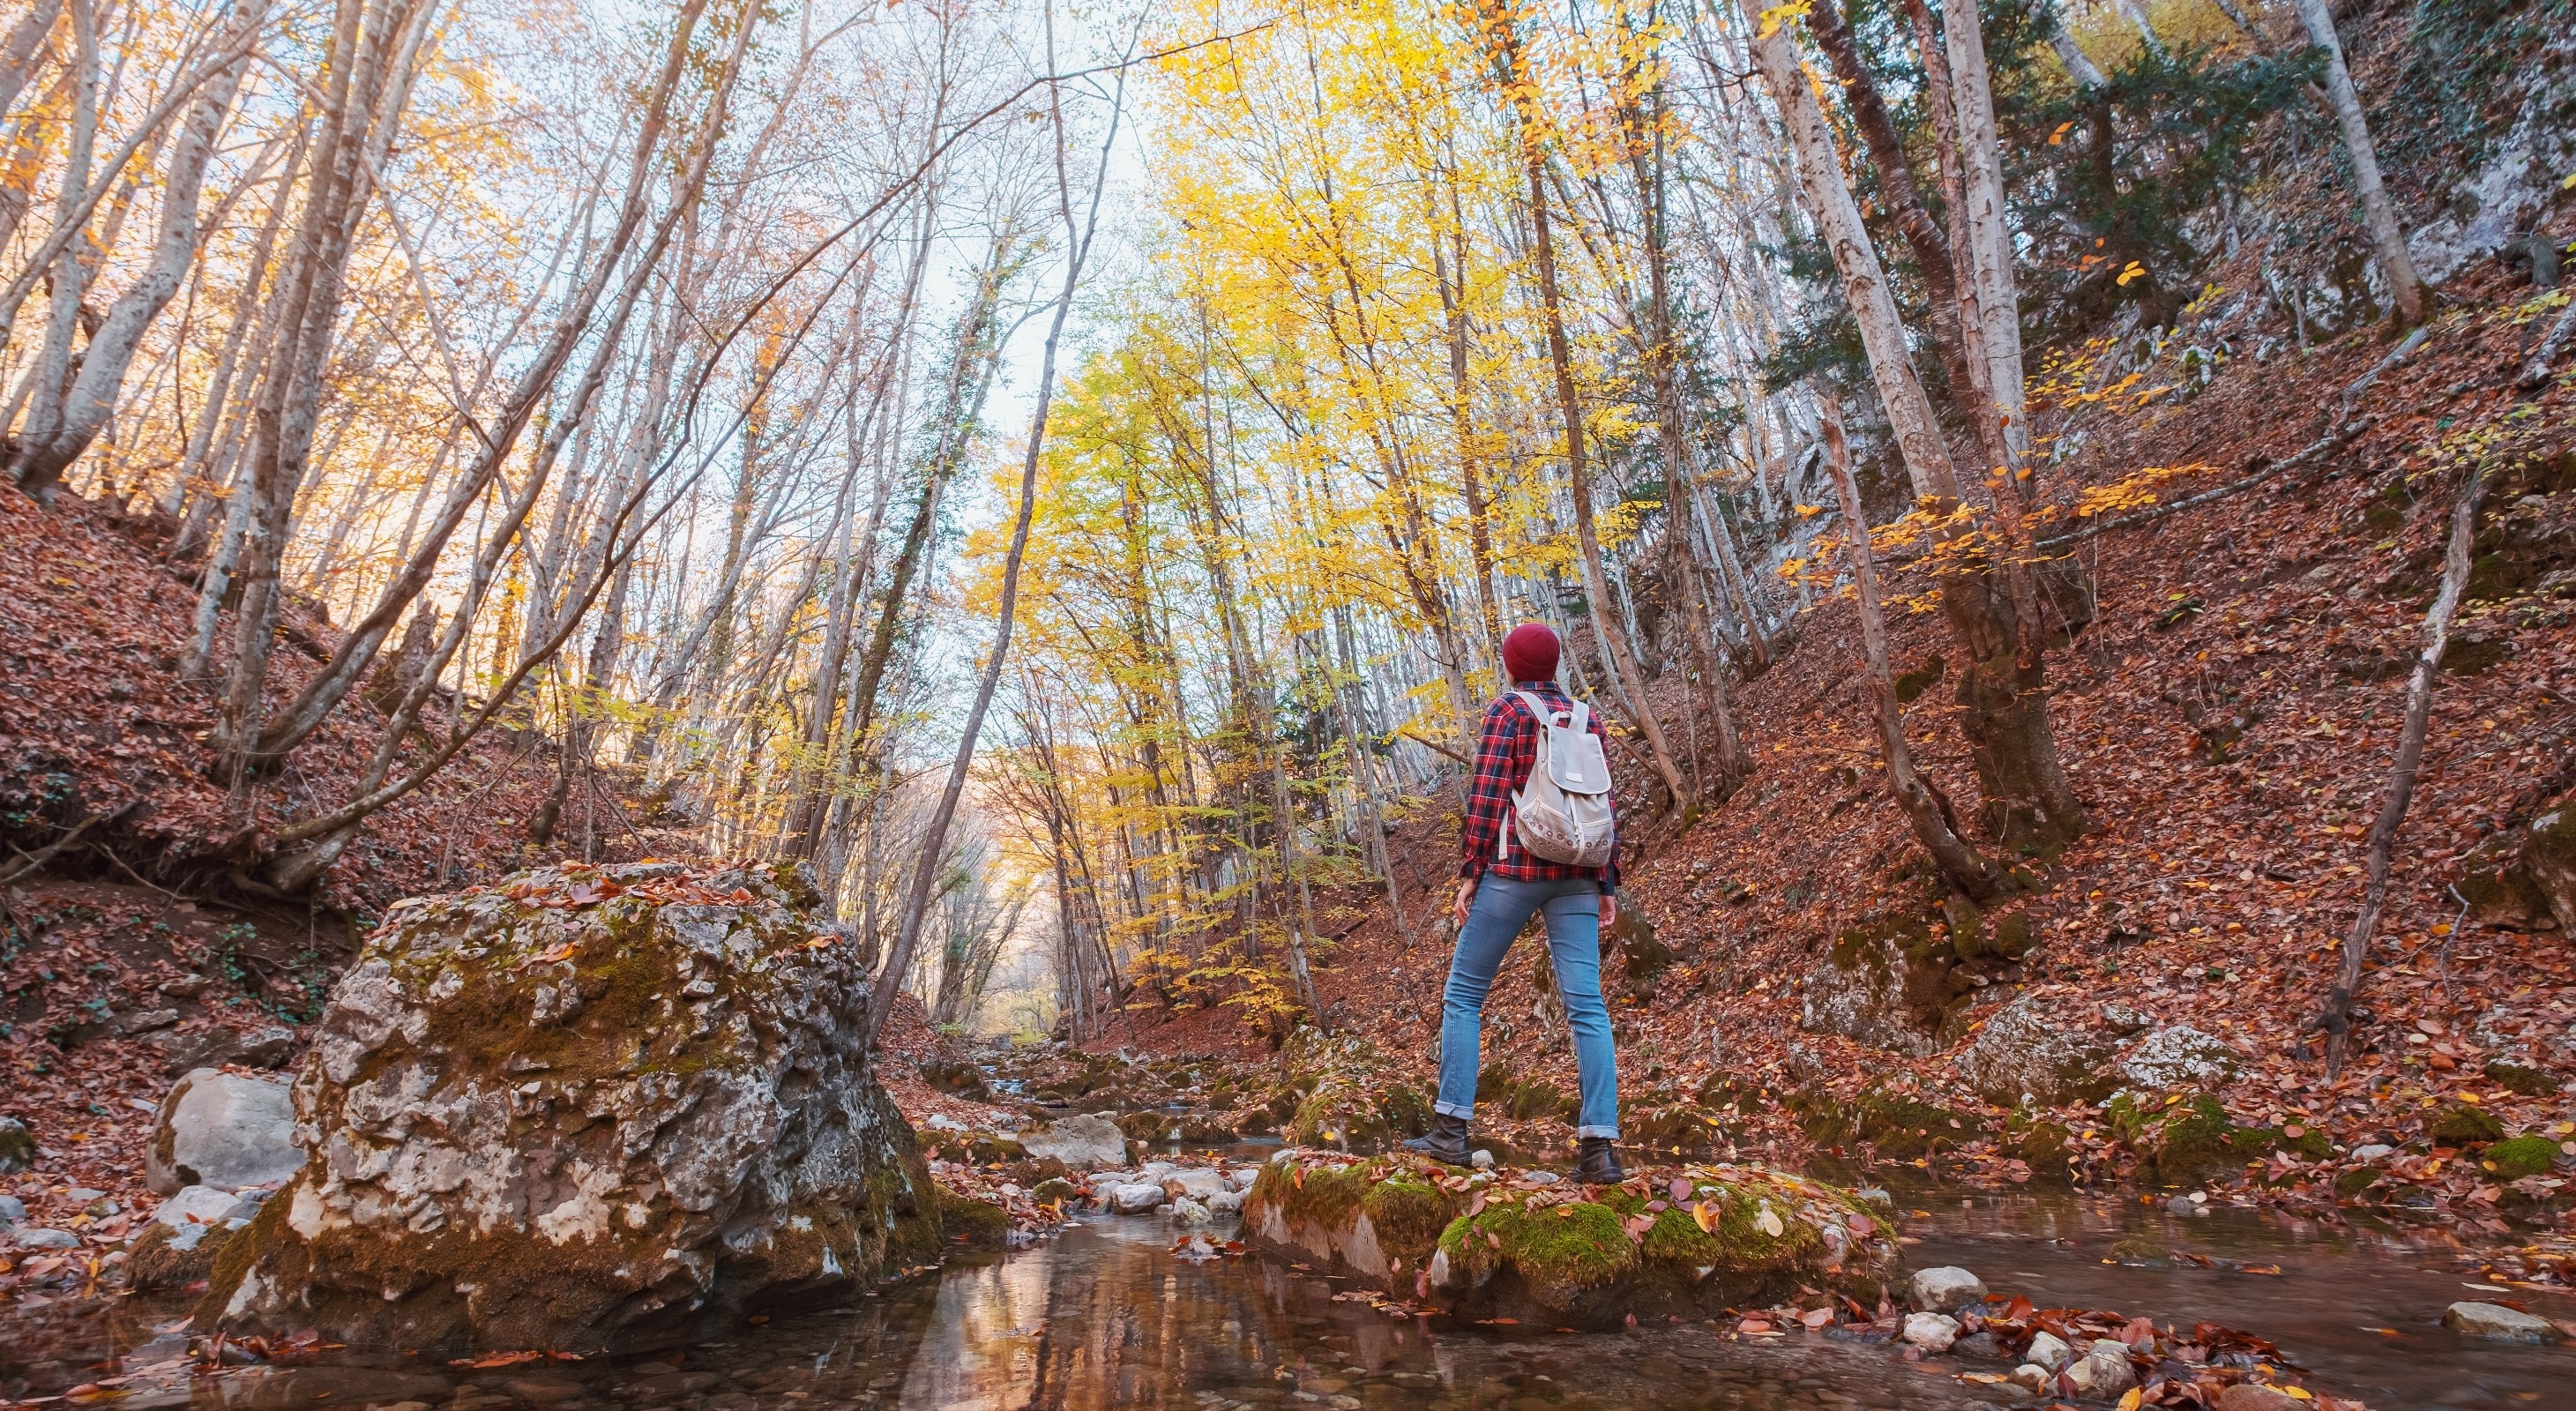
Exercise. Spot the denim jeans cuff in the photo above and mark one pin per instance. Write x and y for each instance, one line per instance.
(1612, 1132)
(1451, 1109)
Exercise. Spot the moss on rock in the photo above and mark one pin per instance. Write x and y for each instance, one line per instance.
(2459, 1124)
(970, 1222)
(2517, 1157)
(2521, 1079)
(1501, 1245)
(1349, 1095)
(2185, 1139)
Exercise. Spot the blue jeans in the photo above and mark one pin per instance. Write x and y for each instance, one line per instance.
(1494, 921)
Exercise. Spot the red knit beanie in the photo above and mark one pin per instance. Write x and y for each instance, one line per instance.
(1529, 652)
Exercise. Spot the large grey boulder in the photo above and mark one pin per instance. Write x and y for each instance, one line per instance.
(222, 1129)
(584, 1109)
(2037, 1050)
(1085, 1143)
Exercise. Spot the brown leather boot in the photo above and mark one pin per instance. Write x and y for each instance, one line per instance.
(1445, 1142)
(1597, 1162)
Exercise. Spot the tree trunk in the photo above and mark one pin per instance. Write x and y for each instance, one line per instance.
(50, 377)
(2379, 211)
(357, 649)
(2337, 1018)
(925, 869)
(2002, 688)
(1925, 807)
(92, 399)
(18, 53)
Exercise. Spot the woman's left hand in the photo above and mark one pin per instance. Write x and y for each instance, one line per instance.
(1609, 910)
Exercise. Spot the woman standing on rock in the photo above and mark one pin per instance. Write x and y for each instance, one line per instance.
(1539, 835)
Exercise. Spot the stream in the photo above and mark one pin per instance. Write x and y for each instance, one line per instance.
(1106, 1315)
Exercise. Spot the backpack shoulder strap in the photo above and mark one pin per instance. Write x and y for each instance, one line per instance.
(1539, 708)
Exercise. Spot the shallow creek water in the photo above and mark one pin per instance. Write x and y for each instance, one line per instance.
(1105, 1315)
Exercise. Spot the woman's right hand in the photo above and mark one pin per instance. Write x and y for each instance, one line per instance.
(1466, 898)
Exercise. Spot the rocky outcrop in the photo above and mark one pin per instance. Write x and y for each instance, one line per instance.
(223, 1130)
(1553, 1252)
(2525, 876)
(1895, 987)
(583, 1109)
(2033, 1052)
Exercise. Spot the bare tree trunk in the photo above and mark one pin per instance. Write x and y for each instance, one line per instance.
(2379, 212)
(2337, 1018)
(1925, 807)
(1452, 275)
(2002, 686)
(925, 869)
(1989, 266)
(357, 649)
(1681, 460)
(42, 458)
(367, 39)
(18, 53)
(50, 376)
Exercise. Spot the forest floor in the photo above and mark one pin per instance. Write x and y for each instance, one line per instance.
(2228, 721)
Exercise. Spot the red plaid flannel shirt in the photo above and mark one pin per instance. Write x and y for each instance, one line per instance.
(1506, 748)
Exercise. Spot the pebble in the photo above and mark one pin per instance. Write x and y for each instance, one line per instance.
(2489, 1320)
(2050, 1352)
(1933, 1332)
(1481, 1159)
(2033, 1378)
(1542, 1178)
(1945, 1287)
(47, 1239)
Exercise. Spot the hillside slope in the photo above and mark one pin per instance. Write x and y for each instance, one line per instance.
(2229, 720)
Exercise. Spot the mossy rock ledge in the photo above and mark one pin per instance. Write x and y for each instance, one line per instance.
(585, 1109)
(1499, 1245)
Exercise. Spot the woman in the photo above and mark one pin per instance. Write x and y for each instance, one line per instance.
(1500, 882)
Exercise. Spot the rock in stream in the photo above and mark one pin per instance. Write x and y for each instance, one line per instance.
(585, 1108)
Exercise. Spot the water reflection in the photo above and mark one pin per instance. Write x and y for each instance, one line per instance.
(2360, 1305)
(1107, 1317)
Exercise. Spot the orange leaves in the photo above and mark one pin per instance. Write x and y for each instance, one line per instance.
(512, 1359)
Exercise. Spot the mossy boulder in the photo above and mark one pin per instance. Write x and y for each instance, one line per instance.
(1557, 1253)
(585, 1109)
(1898, 1125)
(974, 1223)
(2461, 1124)
(2517, 1157)
(1711, 1238)
(1377, 1217)
(160, 1261)
(2046, 1147)
(2522, 1078)
(2185, 1139)
(2032, 1050)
